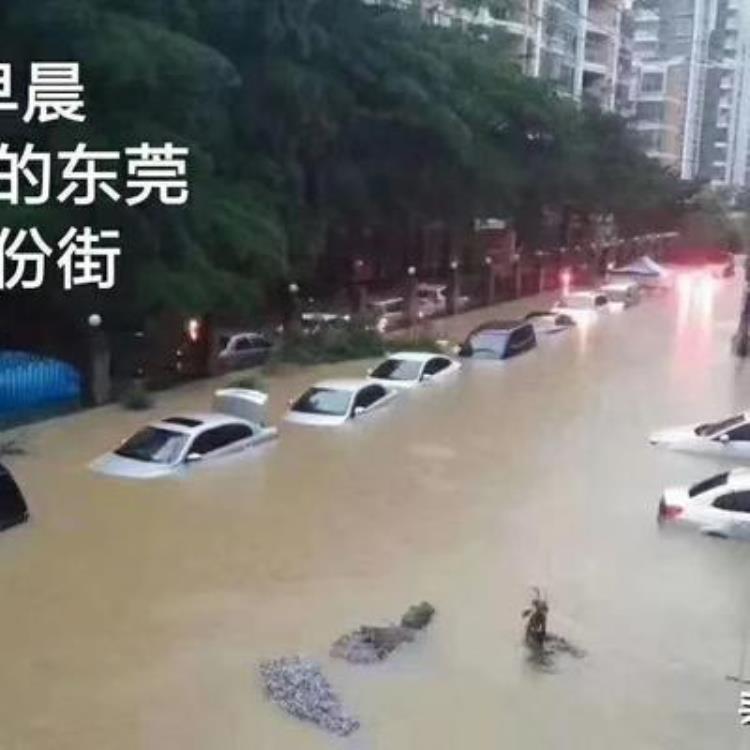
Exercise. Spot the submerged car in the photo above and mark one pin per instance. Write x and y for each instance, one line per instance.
(432, 299)
(173, 443)
(334, 402)
(387, 313)
(582, 304)
(13, 510)
(499, 339)
(409, 369)
(718, 506)
(726, 437)
(625, 293)
(243, 350)
(545, 321)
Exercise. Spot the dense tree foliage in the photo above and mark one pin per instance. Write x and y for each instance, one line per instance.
(303, 116)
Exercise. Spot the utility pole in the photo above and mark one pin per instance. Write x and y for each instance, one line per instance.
(741, 341)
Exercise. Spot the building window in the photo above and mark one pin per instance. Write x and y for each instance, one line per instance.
(652, 83)
(650, 111)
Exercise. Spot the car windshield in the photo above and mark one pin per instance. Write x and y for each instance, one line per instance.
(154, 444)
(397, 369)
(709, 429)
(708, 484)
(487, 344)
(323, 401)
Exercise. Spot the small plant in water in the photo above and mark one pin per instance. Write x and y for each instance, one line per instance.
(536, 620)
(11, 447)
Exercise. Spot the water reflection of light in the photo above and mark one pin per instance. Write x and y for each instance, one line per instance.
(584, 324)
(706, 291)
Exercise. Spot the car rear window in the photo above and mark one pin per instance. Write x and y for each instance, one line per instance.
(708, 484)
(397, 369)
(323, 401)
(487, 343)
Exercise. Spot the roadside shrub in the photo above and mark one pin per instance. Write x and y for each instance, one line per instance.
(329, 345)
(136, 397)
(419, 344)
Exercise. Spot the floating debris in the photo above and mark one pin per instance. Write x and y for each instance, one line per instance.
(418, 616)
(369, 643)
(299, 687)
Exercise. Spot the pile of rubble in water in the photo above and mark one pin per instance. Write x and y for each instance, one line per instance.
(369, 643)
(299, 687)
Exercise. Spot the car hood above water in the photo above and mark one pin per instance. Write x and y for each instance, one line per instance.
(118, 466)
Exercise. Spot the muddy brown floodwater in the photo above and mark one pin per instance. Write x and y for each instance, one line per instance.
(134, 613)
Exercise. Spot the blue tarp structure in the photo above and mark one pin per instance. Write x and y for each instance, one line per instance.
(30, 383)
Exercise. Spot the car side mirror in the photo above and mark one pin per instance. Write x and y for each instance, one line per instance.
(191, 458)
(358, 410)
(723, 438)
(370, 370)
(427, 376)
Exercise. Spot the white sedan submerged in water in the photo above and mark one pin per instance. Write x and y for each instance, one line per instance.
(724, 438)
(171, 444)
(335, 402)
(718, 506)
(409, 369)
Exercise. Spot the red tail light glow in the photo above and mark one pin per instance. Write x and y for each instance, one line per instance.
(669, 512)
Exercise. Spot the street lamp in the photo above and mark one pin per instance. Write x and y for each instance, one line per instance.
(454, 265)
(95, 320)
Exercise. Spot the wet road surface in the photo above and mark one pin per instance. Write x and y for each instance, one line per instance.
(134, 613)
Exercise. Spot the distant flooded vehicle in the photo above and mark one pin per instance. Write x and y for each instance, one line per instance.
(545, 321)
(718, 506)
(729, 437)
(432, 299)
(388, 313)
(168, 445)
(243, 350)
(583, 304)
(13, 509)
(410, 369)
(334, 402)
(499, 339)
(625, 293)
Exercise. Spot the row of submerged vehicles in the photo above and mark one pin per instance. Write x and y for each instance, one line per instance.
(718, 506)
(237, 420)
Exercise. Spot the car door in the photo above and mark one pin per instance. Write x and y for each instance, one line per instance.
(367, 399)
(435, 368)
(735, 442)
(219, 441)
(732, 512)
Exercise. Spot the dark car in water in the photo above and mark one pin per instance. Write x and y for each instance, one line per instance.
(499, 339)
(13, 510)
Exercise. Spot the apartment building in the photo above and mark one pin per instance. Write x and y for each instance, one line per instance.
(575, 44)
(691, 60)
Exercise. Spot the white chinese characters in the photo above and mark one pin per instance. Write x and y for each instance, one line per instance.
(85, 258)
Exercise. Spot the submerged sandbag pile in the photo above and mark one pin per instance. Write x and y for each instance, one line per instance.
(299, 687)
(369, 644)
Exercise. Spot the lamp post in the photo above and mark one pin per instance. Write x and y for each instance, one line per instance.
(488, 264)
(99, 376)
(412, 311)
(454, 283)
(292, 322)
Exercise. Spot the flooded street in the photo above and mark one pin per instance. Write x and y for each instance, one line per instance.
(135, 613)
